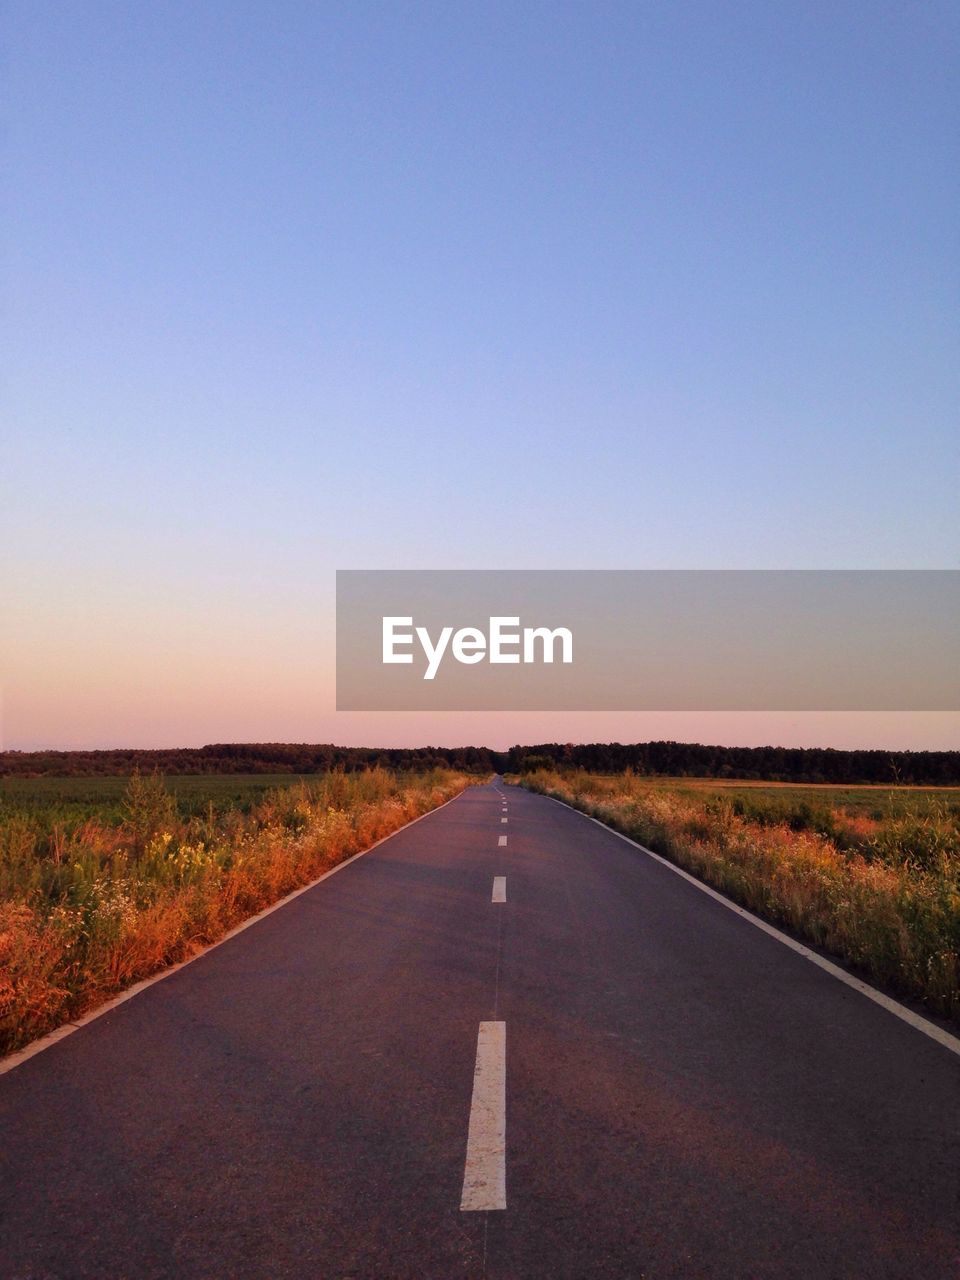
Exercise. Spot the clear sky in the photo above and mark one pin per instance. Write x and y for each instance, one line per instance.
(299, 286)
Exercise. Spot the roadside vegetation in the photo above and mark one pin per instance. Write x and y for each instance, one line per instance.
(870, 874)
(105, 881)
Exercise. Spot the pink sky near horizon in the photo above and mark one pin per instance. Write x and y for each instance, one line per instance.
(183, 680)
(158, 669)
(181, 721)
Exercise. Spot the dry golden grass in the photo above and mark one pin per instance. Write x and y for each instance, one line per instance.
(882, 891)
(85, 915)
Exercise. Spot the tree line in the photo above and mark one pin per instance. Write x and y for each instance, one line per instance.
(767, 764)
(670, 759)
(257, 757)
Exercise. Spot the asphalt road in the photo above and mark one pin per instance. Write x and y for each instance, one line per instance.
(685, 1096)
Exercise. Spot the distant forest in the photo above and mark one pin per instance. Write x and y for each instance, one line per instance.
(253, 757)
(768, 764)
(671, 759)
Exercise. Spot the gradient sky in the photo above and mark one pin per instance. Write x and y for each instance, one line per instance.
(292, 287)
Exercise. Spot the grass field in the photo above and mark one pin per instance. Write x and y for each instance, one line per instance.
(105, 880)
(814, 806)
(869, 873)
(70, 801)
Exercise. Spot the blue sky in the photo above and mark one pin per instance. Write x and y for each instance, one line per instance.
(294, 287)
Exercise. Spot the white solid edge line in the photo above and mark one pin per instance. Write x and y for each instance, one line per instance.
(484, 1173)
(499, 889)
(502, 840)
(15, 1059)
(915, 1020)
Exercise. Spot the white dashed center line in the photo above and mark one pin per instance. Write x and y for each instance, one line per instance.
(499, 889)
(484, 1175)
(502, 840)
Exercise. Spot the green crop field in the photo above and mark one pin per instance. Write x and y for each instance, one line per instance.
(71, 801)
(779, 801)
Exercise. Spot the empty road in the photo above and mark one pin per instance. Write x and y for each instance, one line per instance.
(503, 1043)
